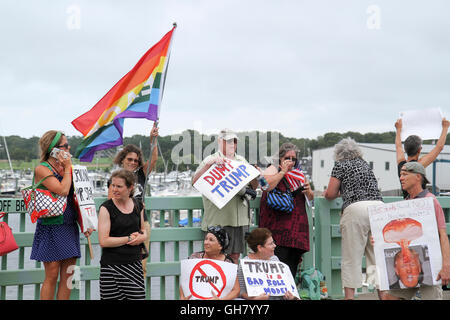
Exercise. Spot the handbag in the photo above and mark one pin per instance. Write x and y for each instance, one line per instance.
(144, 251)
(42, 203)
(281, 201)
(7, 241)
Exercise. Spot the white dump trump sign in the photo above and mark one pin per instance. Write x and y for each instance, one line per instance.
(221, 183)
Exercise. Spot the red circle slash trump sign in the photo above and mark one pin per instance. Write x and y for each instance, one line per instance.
(201, 278)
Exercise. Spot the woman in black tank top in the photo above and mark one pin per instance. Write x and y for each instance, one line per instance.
(120, 231)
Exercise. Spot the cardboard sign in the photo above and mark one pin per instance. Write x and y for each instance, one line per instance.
(266, 276)
(201, 277)
(83, 191)
(406, 244)
(427, 124)
(221, 183)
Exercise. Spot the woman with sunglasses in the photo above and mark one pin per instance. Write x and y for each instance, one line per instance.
(56, 240)
(130, 158)
(290, 230)
(215, 242)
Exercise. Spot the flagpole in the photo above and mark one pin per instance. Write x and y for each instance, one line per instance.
(152, 148)
(156, 123)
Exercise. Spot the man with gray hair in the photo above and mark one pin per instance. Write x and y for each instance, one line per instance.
(413, 148)
(412, 177)
(234, 216)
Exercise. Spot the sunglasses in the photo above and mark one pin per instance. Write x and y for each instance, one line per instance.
(214, 229)
(132, 160)
(65, 146)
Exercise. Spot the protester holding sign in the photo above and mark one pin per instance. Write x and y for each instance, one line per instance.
(56, 240)
(353, 179)
(413, 148)
(121, 230)
(290, 230)
(263, 246)
(234, 216)
(412, 178)
(131, 158)
(215, 243)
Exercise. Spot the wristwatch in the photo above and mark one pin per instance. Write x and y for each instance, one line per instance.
(129, 238)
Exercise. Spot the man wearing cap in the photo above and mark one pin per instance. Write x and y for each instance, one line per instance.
(234, 215)
(412, 178)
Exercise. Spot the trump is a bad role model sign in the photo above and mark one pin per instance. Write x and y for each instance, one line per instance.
(267, 277)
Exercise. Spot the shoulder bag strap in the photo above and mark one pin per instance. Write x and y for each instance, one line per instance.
(285, 182)
(34, 186)
(287, 185)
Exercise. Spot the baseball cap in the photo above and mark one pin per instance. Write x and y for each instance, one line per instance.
(227, 134)
(416, 167)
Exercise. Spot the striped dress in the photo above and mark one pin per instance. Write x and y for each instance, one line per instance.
(122, 281)
(121, 273)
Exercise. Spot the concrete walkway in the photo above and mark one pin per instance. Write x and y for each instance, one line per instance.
(374, 296)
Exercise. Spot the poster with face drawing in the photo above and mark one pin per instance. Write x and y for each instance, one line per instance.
(406, 244)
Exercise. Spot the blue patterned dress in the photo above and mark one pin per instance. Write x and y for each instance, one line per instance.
(56, 242)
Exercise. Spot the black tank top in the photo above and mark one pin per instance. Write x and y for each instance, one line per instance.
(122, 225)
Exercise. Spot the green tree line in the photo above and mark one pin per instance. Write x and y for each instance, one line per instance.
(27, 149)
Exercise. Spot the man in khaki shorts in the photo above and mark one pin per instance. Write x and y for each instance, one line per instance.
(412, 176)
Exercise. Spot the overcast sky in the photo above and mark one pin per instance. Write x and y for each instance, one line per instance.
(302, 68)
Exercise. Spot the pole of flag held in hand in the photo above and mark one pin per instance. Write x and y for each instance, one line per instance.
(153, 140)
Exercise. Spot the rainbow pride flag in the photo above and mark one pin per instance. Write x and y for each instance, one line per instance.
(137, 95)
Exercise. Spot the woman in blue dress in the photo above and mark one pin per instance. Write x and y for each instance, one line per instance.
(56, 240)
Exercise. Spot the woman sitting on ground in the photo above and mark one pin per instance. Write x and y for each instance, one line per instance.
(215, 243)
(261, 242)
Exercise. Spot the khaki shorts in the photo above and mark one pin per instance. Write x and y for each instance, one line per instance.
(355, 243)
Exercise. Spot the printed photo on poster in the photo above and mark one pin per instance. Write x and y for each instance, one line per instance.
(408, 275)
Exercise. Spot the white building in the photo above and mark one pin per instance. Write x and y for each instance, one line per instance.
(382, 159)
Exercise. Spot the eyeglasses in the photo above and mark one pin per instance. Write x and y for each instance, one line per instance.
(272, 243)
(292, 159)
(132, 160)
(65, 146)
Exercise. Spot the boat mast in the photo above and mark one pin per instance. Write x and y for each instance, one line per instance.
(7, 154)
